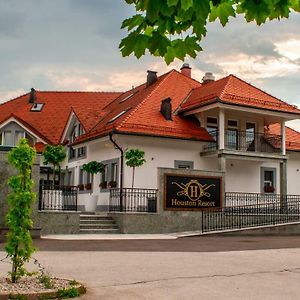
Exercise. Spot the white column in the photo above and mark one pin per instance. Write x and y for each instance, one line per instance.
(283, 149)
(221, 129)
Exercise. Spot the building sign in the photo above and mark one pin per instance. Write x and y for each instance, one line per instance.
(184, 192)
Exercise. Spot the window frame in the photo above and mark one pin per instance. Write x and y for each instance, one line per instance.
(188, 163)
(263, 181)
(109, 175)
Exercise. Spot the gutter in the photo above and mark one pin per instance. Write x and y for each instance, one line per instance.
(121, 168)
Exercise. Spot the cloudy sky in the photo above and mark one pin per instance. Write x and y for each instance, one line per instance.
(73, 45)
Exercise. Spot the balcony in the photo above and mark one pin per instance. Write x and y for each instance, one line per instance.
(247, 142)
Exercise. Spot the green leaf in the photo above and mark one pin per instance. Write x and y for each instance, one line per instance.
(186, 4)
(169, 55)
(172, 2)
(133, 22)
(140, 45)
(222, 11)
(295, 5)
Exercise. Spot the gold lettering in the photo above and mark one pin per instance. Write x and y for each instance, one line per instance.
(194, 191)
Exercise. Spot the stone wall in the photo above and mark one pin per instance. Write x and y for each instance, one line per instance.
(164, 221)
(57, 222)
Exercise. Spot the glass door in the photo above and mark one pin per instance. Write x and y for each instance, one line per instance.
(250, 137)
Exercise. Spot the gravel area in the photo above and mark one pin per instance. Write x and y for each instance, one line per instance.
(32, 284)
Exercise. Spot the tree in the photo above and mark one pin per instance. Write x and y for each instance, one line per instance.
(134, 158)
(93, 167)
(19, 243)
(54, 155)
(159, 26)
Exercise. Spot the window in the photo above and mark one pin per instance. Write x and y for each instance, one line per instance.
(72, 153)
(110, 176)
(232, 134)
(19, 135)
(114, 172)
(250, 136)
(268, 180)
(84, 177)
(119, 115)
(81, 151)
(37, 107)
(127, 97)
(7, 138)
(212, 127)
(182, 164)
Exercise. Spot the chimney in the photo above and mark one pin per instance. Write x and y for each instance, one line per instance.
(166, 109)
(32, 95)
(151, 77)
(186, 70)
(208, 77)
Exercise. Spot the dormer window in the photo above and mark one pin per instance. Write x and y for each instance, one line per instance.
(37, 107)
(119, 115)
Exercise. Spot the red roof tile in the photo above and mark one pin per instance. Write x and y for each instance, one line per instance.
(292, 137)
(49, 124)
(141, 111)
(233, 90)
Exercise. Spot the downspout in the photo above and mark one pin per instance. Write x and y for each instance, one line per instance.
(121, 169)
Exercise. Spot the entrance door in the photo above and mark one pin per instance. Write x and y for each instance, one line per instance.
(250, 137)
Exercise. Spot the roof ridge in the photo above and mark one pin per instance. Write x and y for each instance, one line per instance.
(191, 78)
(13, 99)
(143, 101)
(102, 92)
(232, 75)
(228, 77)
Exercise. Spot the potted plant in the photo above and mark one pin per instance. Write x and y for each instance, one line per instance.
(103, 185)
(80, 187)
(269, 189)
(93, 167)
(134, 158)
(112, 184)
(88, 186)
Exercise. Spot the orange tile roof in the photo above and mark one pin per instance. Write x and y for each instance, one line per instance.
(142, 111)
(292, 137)
(233, 90)
(49, 124)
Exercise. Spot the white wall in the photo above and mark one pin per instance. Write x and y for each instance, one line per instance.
(241, 175)
(293, 173)
(245, 176)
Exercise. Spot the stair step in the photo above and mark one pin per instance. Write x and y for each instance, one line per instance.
(99, 231)
(97, 221)
(98, 226)
(95, 218)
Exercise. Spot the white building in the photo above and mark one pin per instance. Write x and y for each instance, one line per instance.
(224, 125)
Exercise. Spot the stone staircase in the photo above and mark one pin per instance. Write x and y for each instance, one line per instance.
(97, 224)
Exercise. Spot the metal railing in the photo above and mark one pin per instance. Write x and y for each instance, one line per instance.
(133, 200)
(56, 198)
(244, 210)
(245, 141)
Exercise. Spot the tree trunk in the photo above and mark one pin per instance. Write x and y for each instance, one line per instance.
(133, 169)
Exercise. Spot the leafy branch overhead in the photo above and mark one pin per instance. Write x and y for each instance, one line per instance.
(159, 25)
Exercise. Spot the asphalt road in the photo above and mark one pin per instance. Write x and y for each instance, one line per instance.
(200, 268)
(188, 244)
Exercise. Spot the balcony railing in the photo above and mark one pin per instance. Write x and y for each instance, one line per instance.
(56, 198)
(245, 141)
(133, 200)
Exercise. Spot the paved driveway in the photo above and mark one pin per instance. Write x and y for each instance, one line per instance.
(252, 274)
